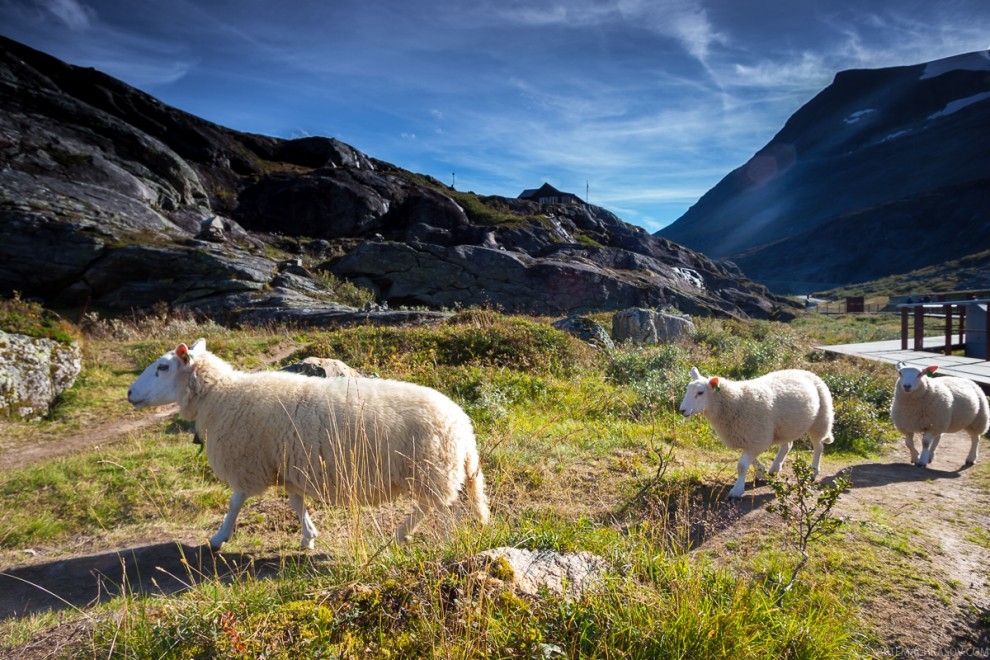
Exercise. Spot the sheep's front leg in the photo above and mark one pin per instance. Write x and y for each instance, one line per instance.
(229, 522)
(909, 443)
(778, 460)
(742, 468)
(929, 442)
(309, 532)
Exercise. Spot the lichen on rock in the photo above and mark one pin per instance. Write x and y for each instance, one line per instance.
(33, 373)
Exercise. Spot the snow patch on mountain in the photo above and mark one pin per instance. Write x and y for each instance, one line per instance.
(979, 61)
(856, 116)
(959, 104)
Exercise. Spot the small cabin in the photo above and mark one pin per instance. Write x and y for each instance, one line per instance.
(547, 194)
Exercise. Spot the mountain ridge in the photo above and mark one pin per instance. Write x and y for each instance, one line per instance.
(871, 151)
(112, 200)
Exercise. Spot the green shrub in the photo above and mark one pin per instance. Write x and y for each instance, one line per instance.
(746, 350)
(873, 391)
(655, 373)
(24, 317)
(343, 291)
(716, 336)
(469, 339)
(859, 427)
(862, 411)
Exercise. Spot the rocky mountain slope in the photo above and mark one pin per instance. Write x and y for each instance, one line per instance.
(110, 199)
(883, 172)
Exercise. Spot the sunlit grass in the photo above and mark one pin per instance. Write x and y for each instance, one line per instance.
(582, 451)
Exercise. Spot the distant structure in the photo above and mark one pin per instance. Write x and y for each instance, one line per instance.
(547, 194)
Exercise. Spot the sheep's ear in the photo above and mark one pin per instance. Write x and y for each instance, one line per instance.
(900, 365)
(714, 383)
(199, 346)
(695, 374)
(182, 352)
(930, 370)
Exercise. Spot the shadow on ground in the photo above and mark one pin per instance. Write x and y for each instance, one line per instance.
(155, 569)
(877, 475)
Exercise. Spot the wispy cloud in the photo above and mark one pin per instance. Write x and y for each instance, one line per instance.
(684, 21)
(76, 16)
(649, 101)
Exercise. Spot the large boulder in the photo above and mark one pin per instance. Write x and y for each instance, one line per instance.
(648, 326)
(532, 572)
(33, 373)
(587, 331)
(322, 368)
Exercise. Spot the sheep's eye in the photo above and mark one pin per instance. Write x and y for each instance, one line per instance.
(162, 368)
(699, 393)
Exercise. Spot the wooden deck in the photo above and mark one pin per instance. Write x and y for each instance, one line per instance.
(890, 351)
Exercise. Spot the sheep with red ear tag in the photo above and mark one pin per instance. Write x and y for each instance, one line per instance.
(341, 440)
(932, 406)
(754, 415)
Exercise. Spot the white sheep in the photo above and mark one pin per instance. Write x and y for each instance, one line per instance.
(752, 415)
(933, 406)
(343, 440)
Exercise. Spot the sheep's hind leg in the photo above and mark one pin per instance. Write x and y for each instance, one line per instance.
(778, 460)
(309, 532)
(742, 468)
(818, 447)
(426, 503)
(410, 524)
(229, 522)
(974, 451)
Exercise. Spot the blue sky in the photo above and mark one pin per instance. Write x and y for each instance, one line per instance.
(646, 104)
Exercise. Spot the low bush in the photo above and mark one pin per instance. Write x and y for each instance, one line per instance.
(26, 317)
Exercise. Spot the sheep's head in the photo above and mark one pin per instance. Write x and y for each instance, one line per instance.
(698, 394)
(911, 379)
(159, 383)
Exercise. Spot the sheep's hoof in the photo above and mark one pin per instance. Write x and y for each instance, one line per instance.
(970, 463)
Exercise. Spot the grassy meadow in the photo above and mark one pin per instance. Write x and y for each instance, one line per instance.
(583, 450)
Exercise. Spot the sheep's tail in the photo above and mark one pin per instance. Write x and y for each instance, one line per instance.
(474, 487)
(827, 413)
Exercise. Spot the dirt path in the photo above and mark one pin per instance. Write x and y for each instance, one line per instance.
(939, 604)
(945, 512)
(95, 434)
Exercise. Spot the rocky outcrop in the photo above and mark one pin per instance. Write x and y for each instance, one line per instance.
(111, 200)
(558, 282)
(33, 373)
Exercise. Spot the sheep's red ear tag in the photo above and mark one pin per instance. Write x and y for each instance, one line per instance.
(182, 353)
(930, 371)
(714, 383)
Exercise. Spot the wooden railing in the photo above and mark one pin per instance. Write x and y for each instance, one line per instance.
(949, 310)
